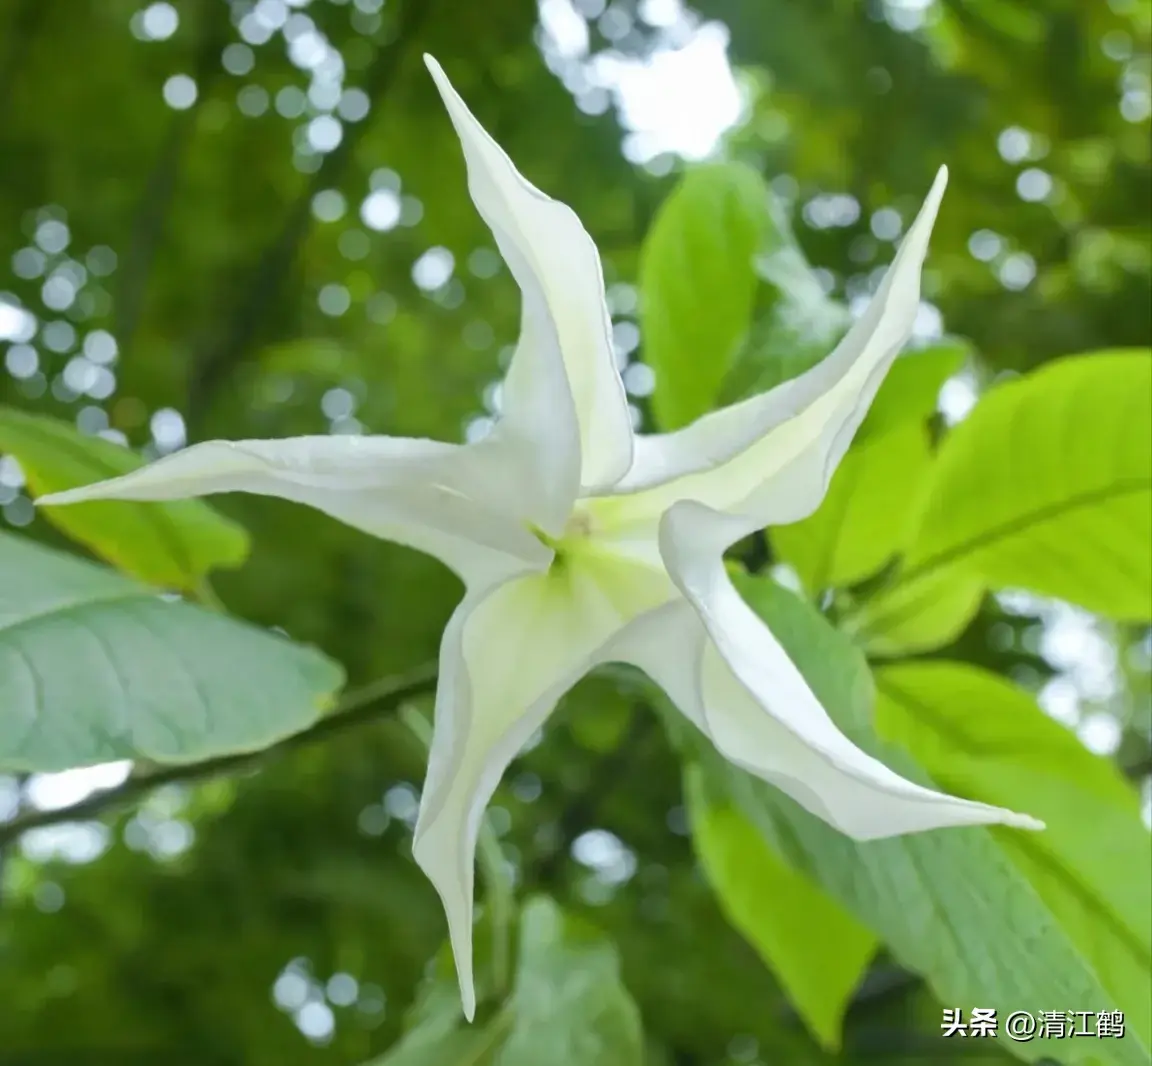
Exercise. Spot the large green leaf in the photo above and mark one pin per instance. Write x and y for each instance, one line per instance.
(863, 519)
(1047, 486)
(902, 617)
(951, 904)
(95, 667)
(172, 545)
(980, 736)
(912, 386)
(698, 285)
(818, 951)
(569, 1005)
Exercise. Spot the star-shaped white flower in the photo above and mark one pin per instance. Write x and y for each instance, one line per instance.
(580, 543)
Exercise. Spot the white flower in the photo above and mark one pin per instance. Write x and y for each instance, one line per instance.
(580, 543)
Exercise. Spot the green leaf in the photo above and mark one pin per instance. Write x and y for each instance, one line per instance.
(797, 326)
(917, 615)
(698, 284)
(912, 386)
(171, 545)
(818, 951)
(569, 1005)
(1047, 486)
(980, 736)
(863, 520)
(95, 667)
(437, 1037)
(950, 904)
(429, 1045)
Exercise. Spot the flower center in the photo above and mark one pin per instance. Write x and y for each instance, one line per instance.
(579, 525)
(579, 528)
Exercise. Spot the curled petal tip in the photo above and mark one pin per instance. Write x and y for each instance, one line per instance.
(1025, 821)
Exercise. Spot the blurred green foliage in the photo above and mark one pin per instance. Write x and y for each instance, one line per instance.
(243, 219)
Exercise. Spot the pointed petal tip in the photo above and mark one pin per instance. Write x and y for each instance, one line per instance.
(81, 494)
(448, 93)
(1024, 821)
(935, 195)
(939, 184)
(55, 499)
(443, 84)
(920, 232)
(426, 856)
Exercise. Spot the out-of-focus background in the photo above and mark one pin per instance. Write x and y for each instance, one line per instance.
(249, 219)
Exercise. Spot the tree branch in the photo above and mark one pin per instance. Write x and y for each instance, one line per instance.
(361, 705)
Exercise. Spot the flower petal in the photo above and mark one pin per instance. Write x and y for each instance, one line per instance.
(464, 505)
(507, 656)
(727, 673)
(563, 368)
(773, 455)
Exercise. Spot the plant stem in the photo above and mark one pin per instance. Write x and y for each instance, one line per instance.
(358, 706)
(206, 596)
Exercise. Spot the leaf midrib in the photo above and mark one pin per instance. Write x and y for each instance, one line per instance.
(1115, 490)
(933, 563)
(1043, 856)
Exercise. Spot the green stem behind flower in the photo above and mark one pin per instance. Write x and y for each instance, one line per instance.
(205, 595)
